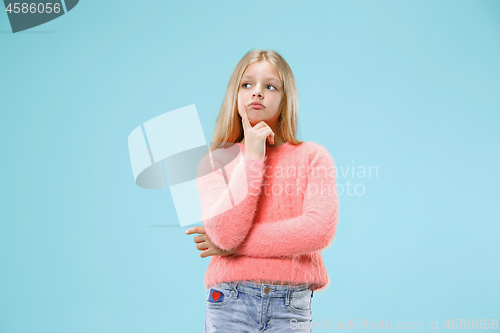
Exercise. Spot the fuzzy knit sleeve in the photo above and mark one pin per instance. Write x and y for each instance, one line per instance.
(312, 231)
(229, 193)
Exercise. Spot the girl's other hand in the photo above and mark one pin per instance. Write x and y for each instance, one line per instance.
(256, 136)
(204, 243)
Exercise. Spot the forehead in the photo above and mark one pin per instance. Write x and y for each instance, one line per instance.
(262, 69)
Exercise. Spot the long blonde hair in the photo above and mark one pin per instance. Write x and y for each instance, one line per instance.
(228, 127)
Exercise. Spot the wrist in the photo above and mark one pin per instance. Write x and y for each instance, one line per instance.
(250, 156)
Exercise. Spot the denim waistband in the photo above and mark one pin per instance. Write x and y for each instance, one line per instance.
(257, 289)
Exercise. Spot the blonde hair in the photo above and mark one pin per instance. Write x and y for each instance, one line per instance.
(228, 127)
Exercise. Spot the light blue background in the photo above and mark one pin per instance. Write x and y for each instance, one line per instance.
(411, 87)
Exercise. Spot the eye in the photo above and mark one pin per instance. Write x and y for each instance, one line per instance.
(273, 87)
(244, 84)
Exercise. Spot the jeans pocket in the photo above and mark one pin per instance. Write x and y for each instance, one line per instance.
(301, 303)
(219, 296)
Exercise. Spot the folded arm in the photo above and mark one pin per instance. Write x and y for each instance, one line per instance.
(229, 197)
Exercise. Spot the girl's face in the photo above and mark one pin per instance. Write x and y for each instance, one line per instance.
(261, 83)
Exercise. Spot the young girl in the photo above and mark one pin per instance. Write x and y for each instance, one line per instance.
(266, 235)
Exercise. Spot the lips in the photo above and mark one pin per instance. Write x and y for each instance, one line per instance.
(256, 105)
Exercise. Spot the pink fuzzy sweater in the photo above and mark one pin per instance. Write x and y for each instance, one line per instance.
(279, 212)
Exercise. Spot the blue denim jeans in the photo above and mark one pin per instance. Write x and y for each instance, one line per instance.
(251, 307)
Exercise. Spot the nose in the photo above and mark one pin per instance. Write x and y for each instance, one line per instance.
(257, 92)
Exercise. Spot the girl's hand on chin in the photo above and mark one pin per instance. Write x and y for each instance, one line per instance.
(256, 136)
(204, 243)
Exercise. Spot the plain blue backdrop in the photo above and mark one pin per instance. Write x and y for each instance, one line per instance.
(409, 88)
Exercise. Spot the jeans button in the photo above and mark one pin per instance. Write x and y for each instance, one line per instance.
(266, 290)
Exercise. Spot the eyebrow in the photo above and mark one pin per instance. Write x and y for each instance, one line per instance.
(267, 78)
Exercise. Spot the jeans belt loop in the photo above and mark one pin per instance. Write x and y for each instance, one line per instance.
(235, 291)
(287, 301)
